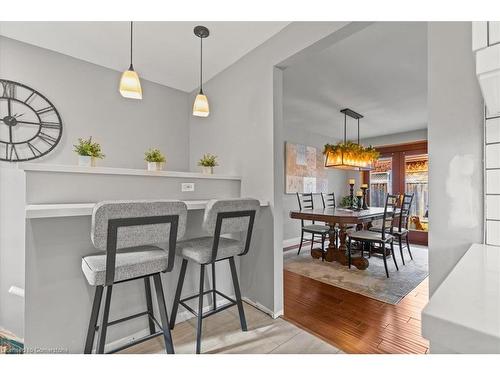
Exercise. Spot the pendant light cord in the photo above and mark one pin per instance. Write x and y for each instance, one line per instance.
(131, 44)
(201, 65)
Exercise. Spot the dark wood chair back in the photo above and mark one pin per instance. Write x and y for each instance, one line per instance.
(306, 201)
(404, 214)
(391, 205)
(328, 200)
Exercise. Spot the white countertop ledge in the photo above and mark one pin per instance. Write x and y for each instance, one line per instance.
(39, 211)
(463, 314)
(36, 167)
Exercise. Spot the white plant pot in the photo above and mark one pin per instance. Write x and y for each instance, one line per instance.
(155, 166)
(86, 161)
(208, 170)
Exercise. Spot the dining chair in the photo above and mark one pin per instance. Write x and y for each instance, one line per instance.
(306, 201)
(128, 235)
(382, 238)
(401, 231)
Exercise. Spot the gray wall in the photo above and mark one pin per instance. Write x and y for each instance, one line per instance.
(337, 179)
(87, 98)
(396, 138)
(455, 148)
(240, 130)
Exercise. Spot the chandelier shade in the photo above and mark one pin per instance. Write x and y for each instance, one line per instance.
(349, 155)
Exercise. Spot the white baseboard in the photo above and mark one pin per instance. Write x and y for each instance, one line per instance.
(291, 241)
(263, 308)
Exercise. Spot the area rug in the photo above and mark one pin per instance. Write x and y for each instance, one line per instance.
(371, 282)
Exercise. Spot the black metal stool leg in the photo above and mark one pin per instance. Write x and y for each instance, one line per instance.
(149, 304)
(394, 255)
(178, 292)
(200, 310)
(167, 336)
(94, 315)
(237, 294)
(104, 323)
(214, 295)
(408, 245)
(401, 249)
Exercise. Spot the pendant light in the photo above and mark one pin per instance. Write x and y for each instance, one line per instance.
(200, 106)
(130, 85)
(350, 155)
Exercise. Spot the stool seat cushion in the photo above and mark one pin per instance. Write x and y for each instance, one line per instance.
(199, 249)
(130, 263)
(366, 235)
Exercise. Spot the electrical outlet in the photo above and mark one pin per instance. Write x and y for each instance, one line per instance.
(187, 186)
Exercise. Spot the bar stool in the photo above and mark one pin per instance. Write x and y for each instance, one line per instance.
(126, 231)
(221, 217)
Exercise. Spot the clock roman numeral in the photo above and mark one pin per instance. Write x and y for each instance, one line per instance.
(47, 138)
(30, 98)
(34, 150)
(9, 154)
(50, 125)
(9, 90)
(44, 110)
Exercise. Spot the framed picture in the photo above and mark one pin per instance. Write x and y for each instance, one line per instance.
(304, 169)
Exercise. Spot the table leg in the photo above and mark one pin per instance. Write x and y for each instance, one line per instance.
(340, 254)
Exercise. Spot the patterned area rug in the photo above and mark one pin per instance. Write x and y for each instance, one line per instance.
(8, 344)
(371, 282)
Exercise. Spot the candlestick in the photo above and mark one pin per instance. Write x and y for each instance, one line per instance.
(364, 187)
(351, 193)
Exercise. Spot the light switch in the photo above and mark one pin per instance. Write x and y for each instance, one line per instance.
(187, 186)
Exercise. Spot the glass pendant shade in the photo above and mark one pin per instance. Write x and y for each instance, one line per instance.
(347, 160)
(130, 85)
(200, 106)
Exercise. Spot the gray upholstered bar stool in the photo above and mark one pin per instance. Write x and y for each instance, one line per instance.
(129, 232)
(221, 217)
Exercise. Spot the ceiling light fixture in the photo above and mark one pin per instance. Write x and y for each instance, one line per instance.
(200, 106)
(130, 85)
(347, 154)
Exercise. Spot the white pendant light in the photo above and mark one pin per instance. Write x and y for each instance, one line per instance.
(130, 85)
(200, 106)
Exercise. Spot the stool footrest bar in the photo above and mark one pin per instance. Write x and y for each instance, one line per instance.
(135, 342)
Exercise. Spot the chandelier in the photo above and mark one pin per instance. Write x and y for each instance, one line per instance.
(347, 154)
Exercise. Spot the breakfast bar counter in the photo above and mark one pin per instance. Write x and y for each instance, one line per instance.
(45, 231)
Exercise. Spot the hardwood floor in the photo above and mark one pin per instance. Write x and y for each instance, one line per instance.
(355, 323)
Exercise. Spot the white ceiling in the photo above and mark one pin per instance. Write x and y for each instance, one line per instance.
(164, 52)
(380, 72)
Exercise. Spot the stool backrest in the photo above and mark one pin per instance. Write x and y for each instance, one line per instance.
(328, 200)
(141, 232)
(391, 204)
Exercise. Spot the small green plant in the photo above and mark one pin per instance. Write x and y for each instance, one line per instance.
(86, 147)
(208, 160)
(347, 202)
(154, 155)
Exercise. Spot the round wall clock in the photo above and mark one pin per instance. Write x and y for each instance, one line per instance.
(30, 126)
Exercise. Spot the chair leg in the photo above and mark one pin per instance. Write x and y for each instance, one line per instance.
(200, 310)
(394, 255)
(149, 304)
(408, 245)
(167, 336)
(104, 322)
(178, 292)
(214, 295)
(349, 251)
(312, 241)
(401, 249)
(301, 241)
(384, 257)
(323, 247)
(237, 294)
(89, 342)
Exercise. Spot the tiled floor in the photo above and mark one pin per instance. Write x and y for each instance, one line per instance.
(222, 334)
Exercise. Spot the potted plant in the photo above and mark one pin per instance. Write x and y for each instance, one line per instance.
(155, 159)
(88, 152)
(208, 162)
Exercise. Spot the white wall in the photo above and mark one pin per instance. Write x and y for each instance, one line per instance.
(337, 179)
(87, 98)
(455, 148)
(396, 138)
(240, 130)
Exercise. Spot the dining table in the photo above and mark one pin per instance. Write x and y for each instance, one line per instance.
(341, 218)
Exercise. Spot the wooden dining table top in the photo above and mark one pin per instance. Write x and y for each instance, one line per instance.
(337, 214)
